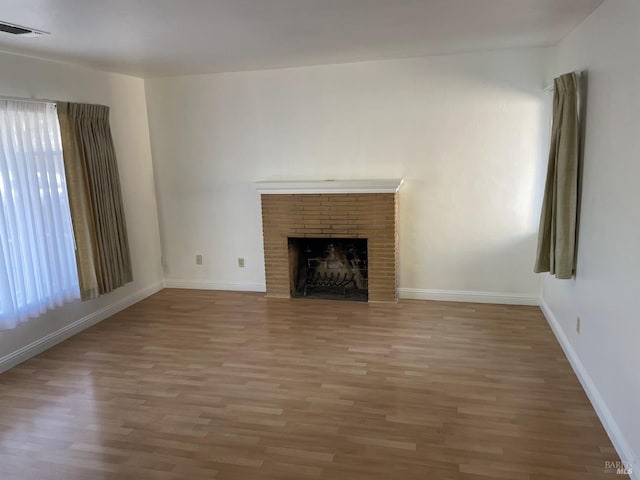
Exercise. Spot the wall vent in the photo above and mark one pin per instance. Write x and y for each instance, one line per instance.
(20, 30)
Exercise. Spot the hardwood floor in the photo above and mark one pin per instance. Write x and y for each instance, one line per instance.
(202, 385)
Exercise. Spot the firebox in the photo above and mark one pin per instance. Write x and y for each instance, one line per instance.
(334, 268)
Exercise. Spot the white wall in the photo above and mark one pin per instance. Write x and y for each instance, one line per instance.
(606, 290)
(467, 132)
(28, 77)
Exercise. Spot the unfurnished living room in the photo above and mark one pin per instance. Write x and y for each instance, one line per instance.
(319, 239)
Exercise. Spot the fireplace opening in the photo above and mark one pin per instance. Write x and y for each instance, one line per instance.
(331, 268)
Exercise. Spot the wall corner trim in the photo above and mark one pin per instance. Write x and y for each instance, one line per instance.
(469, 296)
(604, 414)
(38, 346)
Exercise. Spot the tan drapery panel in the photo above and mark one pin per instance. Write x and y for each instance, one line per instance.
(93, 183)
(557, 233)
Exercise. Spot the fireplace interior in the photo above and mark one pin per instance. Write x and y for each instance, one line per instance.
(332, 268)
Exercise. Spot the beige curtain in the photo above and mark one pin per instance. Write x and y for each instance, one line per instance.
(557, 233)
(102, 248)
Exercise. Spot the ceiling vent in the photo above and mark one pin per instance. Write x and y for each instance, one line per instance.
(20, 30)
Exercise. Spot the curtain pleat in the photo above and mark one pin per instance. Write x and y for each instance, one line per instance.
(103, 257)
(557, 232)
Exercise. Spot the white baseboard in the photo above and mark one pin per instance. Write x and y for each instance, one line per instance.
(205, 285)
(469, 296)
(34, 348)
(409, 293)
(604, 414)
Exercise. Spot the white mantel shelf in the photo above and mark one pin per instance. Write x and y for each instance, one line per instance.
(388, 185)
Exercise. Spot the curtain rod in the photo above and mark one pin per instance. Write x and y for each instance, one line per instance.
(549, 88)
(27, 99)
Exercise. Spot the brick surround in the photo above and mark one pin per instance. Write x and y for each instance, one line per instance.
(336, 215)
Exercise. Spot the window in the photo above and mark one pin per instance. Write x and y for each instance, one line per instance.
(37, 254)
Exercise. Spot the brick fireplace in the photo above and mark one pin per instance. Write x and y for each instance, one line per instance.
(363, 209)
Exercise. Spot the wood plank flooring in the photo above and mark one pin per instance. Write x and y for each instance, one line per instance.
(221, 385)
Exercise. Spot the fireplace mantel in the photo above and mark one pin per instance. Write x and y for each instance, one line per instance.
(329, 186)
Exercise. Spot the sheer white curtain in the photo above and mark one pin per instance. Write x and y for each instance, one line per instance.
(37, 254)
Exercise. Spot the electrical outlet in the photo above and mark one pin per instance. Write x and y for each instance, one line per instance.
(240, 262)
(578, 325)
(198, 259)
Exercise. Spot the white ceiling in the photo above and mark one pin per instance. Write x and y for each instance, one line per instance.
(169, 37)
